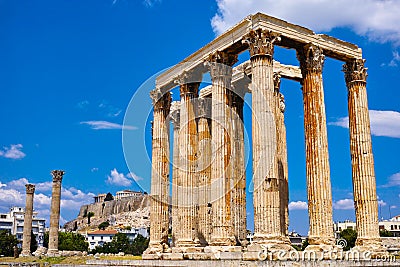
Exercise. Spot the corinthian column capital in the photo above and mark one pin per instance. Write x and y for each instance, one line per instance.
(261, 42)
(57, 176)
(355, 71)
(161, 101)
(30, 188)
(220, 64)
(175, 114)
(311, 58)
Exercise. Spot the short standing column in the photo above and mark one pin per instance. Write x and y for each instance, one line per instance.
(26, 239)
(175, 119)
(159, 175)
(364, 184)
(221, 75)
(317, 158)
(204, 170)
(55, 211)
(188, 175)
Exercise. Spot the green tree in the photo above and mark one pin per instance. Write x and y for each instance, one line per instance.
(109, 197)
(103, 225)
(34, 243)
(350, 236)
(385, 233)
(7, 243)
(68, 241)
(138, 246)
(305, 244)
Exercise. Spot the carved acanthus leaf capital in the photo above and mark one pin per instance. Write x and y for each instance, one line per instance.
(261, 42)
(161, 101)
(355, 71)
(30, 188)
(220, 64)
(57, 176)
(311, 58)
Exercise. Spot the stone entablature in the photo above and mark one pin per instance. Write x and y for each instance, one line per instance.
(207, 216)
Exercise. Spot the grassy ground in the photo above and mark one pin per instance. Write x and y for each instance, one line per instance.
(64, 260)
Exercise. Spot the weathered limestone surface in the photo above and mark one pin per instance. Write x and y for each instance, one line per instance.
(238, 164)
(282, 163)
(188, 143)
(55, 211)
(175, 119)
(267, 210)
(26, 241)
(221, 74)
(364, 184)
(204, 170)
(160, 175)
(317, 159)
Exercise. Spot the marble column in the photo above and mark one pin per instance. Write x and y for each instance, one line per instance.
(204, 170)
(175, 119)
(220, 64)
(189, 86)
(26, 241)
(364, 183)
(282, 162)
(319, 190)
(159, 219)
(267, 205)
(238, 167)
(55, 211)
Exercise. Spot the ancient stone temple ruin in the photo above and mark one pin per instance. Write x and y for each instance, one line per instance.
(208, 182)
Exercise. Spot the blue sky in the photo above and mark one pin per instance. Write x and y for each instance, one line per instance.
(69, 70)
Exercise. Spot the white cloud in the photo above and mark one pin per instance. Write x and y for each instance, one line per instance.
(13, 152)
(376, 19)
(382, 203)
(383, 123)
(344, 204)
(116, 178)
(2, 185)
(94, 169)
(396, 59)
(105, 125)
(10, 197)
(393, 207)
(298, 205)
(394, 180)
(18, 184)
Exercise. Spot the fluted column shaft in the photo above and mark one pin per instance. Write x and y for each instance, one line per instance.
(204, 170)
(317, 157)
(175, 118)
(160, 174)
(189, 184)
(238, 170)
(26, 241)
(363, 173)
(282, 162)
(267, 224)
(221, 75)
(55, 211)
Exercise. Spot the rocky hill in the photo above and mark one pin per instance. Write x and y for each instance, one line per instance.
(129, 211)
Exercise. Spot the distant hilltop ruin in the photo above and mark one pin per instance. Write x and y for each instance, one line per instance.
(126, 209)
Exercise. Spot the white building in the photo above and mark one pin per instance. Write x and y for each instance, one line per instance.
(14, 222)
(100, 237)
(392, 225)
(133, 233)
(128, 193)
